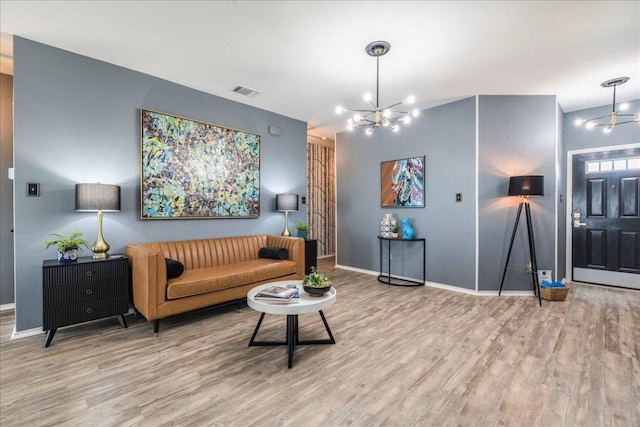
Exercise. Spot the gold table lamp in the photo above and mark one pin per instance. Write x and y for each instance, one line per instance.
(98, 198)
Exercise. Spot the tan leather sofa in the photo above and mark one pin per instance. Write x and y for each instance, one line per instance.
(216, 270)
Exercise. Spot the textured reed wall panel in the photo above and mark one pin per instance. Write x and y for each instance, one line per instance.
(321, 196)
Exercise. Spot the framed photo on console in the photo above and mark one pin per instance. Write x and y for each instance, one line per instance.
(402, 183)
(192, 169)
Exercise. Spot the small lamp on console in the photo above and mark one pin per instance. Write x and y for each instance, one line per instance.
(286, 203)
(98, 198)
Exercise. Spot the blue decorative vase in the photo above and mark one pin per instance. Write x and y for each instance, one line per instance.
(70, 255)
(407, 229)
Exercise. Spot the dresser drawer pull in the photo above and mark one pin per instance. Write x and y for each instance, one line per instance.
(89, 310)
(89, 273)
(89, 291)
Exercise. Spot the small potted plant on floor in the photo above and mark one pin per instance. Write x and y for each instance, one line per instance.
(303, 229)
(68, 246)
(316, 284)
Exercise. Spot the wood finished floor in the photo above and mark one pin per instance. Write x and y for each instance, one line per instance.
(403, 357)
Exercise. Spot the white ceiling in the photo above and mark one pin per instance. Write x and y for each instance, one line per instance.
(306, 57)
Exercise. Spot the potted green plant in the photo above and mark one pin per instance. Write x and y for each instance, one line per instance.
(394, 231)
(68, 246)
(315, 283)
(302, 228)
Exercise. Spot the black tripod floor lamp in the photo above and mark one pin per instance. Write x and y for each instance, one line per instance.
(525, 186)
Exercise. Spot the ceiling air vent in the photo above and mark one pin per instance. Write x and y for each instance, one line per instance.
(242, 90)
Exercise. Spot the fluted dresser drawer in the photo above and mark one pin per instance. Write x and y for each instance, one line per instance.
(84, 312)
(82, 291)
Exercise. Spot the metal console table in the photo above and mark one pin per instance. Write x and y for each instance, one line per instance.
(396, 281)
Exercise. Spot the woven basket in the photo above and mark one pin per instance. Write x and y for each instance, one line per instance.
(554, 294)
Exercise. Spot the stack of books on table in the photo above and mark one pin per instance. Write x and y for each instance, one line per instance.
(278, 294)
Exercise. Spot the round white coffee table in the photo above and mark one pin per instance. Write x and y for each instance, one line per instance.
(302, 305)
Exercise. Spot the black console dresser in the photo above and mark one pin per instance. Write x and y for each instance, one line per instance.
(81, 291)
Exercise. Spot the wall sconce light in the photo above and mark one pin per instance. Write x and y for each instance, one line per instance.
(98, 198)
(286, 203)
(525, 186)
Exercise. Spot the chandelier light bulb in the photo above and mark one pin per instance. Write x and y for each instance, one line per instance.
(624, 106)
(368, 97)
(607, 129)
(411, 99)
(579, 122)
(370, 131)
(340, 110)
(590, 125)
(407, 119)
(394, 128)
(386, 113)
(357, 117)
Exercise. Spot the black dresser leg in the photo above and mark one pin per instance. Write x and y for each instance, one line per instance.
(156, 327)
(49, 337)
(122, 320)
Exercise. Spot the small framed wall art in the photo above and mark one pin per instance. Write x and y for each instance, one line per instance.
(192, 169)
(402, 183)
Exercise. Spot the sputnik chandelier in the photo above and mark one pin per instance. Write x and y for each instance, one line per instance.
(612, 119)
(377, 116)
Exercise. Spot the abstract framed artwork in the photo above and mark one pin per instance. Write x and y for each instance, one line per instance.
(192, 169)
(402, 183)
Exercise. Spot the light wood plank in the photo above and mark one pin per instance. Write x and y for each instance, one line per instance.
(403, 357)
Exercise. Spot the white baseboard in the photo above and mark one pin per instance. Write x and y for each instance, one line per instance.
(444, 286)
(26, 333)
(5, 307)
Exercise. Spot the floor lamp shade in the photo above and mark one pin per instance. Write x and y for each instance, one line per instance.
(286, 203)
(98, 198)
(526, 185)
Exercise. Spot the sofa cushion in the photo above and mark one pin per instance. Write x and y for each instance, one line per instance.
(203, 280)
(174, 268)
(273, 253)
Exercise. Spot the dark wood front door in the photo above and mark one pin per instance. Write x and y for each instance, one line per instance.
(606, 218)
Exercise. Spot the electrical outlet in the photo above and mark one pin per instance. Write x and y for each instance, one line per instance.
(458, 197)
(544, 275)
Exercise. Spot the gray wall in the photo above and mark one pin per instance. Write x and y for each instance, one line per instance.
(6, 189)
(77, 120)
(516, 136)
(561, 271)
(445, 135)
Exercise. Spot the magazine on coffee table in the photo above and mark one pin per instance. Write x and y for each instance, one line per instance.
(278, 292)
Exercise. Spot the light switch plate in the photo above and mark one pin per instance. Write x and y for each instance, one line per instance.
(33, 189)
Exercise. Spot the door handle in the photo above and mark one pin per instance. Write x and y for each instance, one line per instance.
(578, 224)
